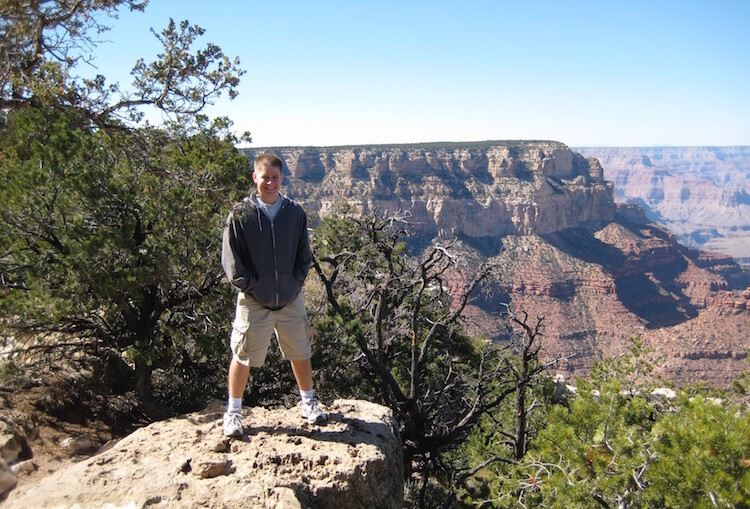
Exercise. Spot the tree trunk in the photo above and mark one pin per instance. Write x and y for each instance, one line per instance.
(520, 435)
(143, 372)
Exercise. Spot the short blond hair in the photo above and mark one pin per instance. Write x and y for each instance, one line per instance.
(268, 160)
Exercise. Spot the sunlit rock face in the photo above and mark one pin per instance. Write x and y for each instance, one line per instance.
(353, 460)
(461, 189)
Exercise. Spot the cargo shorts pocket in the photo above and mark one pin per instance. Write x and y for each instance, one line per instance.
(309, 330)
(239, 328)
(242, 312)
(237, 340)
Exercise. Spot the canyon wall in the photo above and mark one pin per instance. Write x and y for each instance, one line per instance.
(702, 194)
(485, 189)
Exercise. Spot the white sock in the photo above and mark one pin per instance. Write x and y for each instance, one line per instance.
(307, 396)
(234, 404)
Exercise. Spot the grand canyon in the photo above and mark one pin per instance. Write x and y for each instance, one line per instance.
(701, 194)
(599, 272)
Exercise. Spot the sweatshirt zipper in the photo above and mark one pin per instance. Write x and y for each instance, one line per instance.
(273, 246)
(275, 264)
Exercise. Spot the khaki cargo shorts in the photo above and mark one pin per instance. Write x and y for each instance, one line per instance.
(254, 326)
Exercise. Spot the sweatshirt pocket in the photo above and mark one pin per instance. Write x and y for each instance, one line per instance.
(289, 288)
(264, 291)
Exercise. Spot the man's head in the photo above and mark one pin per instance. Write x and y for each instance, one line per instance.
(267, 176)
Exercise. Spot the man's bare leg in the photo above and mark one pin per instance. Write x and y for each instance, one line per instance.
(303, 374)
(238, 375)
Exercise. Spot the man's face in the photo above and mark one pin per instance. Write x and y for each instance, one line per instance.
(268, 181)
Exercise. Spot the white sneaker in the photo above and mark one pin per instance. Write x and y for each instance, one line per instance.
(313, 412)
(233, 424)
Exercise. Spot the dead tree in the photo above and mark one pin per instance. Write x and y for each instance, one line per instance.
(408, 330)
(525, 370)
(519, 375)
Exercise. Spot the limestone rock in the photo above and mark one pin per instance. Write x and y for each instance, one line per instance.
(478, 190)
(10, 447)
(354, 460)
(23, 467)
(77, 445)
(8, 478)
(13, 443)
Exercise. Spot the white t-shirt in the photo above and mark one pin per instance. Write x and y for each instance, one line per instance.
(269, 210)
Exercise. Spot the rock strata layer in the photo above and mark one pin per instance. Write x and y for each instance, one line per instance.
(478, 190)
(354, 460)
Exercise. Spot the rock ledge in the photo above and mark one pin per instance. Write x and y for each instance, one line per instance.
(354, 460)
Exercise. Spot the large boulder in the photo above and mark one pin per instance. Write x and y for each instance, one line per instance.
(354, 460)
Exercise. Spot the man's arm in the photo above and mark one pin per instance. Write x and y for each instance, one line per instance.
(304, 259)
(233, 243)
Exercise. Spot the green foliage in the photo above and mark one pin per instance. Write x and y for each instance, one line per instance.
(43, 43)
(589, 453)
(110, 233)
(741, 385)
(703, 450)
(391, 326)
(502, 437)
(8, 369)
(615, 444)
(103, 241)
(377, 279)
(339, 370)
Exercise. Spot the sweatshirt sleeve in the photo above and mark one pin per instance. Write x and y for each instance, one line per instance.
(304, 259)
(231, 248)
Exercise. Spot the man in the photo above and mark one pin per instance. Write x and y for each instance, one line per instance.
(266, 256)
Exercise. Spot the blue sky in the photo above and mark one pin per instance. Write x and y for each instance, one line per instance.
(607, 73)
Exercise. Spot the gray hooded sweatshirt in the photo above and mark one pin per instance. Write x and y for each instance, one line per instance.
(268, 260)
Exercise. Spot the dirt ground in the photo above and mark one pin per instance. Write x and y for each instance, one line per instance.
(52, 403)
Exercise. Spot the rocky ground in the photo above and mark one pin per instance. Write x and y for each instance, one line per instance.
(64, 445)
(353, 460)
(52, 416)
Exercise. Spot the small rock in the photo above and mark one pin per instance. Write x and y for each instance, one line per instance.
(208, 468)
(13, 441)
(77, 445)
(221, 445)
(23, 467)
(185, 466)
(663, 393)
(10, 447)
